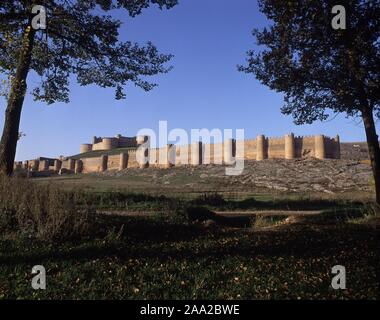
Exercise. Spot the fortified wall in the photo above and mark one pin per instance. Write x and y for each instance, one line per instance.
(131, 155)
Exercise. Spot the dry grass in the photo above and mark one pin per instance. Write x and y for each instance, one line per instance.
(366, 161)
(44, 212)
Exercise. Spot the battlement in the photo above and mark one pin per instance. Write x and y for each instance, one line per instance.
(119, 153)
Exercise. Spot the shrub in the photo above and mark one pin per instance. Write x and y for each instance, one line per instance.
(43, 211)
(261, 221)
(199, 214)
(211, 199)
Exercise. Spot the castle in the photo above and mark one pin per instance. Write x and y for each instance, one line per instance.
(119, 153)
(112, 143)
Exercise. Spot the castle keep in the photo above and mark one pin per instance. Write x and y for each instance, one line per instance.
(112, 143)
(119, 153)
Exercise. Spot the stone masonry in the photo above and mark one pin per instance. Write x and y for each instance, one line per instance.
(134, 155)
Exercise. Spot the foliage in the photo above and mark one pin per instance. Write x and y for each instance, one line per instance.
(212, 199)
(317, 67)
(261, 221)
(44, 212)
(81, 38)
(199, 214)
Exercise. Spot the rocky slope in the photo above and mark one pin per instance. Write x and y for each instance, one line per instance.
(281, 176)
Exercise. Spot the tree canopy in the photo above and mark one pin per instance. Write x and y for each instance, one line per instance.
(319, 69)
(81, 38)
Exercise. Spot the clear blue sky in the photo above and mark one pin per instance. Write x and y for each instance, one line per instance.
(204, 90)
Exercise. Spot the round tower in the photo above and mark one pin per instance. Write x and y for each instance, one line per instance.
(109, 143)
(123, 162)
(337, 147)
(78, 166)
(172, 150)
(142, 157)
(103, 162)
(71, 164)
(167, 156)
(260, 142)
(290, 150)
(196, 153)
(57, 165)
(35, 165)
(45, 165)
(86, 147)
(229, 151)
(319, 143)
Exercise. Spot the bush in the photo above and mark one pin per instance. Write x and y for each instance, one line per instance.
(199, 214)
(261, 221)
(210, 199)
(44, 212)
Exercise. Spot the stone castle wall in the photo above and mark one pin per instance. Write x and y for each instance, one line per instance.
(261, 148)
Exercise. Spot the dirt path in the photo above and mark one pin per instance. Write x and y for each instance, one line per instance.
(269, 213)
(126, 213)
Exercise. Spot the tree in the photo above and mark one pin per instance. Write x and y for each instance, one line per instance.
(322, 70)
(80, 38)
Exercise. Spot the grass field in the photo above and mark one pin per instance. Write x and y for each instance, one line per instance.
(145, 247)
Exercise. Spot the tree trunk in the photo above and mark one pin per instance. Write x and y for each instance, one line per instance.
(373, 148)
(16, 96)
